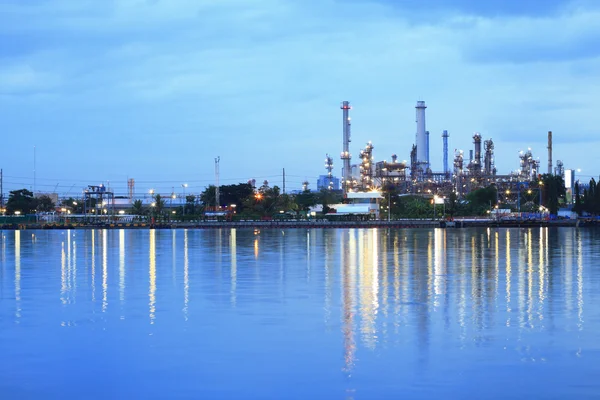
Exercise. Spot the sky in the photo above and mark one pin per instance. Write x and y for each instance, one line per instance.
(154, 90)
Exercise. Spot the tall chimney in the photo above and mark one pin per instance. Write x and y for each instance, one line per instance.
(421, 141)
(550, 152)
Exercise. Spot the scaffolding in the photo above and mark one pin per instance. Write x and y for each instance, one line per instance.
(98, 204)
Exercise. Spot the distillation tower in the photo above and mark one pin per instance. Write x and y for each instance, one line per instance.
(529, 166)
(488, 160)
(445, 137)
(345, 156)
(329, 168)
(366, 167)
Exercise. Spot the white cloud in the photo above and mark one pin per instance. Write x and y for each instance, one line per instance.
(223, 78)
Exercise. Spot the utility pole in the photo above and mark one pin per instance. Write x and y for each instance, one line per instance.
(284, 181)
(217, 194)
(389, 208)
(34, 170)
(1, 192)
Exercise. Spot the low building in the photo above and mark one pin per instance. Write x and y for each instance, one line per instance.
(359, 203)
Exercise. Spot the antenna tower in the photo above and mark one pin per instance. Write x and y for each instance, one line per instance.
(131, 187)
(217, 194)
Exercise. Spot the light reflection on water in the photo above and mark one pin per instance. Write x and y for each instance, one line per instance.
(289, 314)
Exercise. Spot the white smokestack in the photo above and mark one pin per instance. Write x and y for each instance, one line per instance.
(421, 140)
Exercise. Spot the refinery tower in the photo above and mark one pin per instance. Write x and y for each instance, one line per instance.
(421, 137)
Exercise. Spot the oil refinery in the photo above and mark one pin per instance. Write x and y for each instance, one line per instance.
(469, 171)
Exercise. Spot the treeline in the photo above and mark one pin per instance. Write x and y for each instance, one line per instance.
(244, 199)
(587, 201)
(24, 202)
(265, 201)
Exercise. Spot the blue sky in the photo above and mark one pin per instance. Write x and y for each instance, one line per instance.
(155, 89)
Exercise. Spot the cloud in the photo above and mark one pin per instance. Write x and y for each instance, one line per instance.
(260, 82)
(569, 37)
(23, 79)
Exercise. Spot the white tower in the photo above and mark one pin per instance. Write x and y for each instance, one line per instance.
(421, 139)
(345, 156)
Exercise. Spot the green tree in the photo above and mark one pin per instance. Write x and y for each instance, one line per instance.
(452, 203)
(159, 205)
(589, 197)
(22, 201)
(577, 207)
(45, 203)
(306, 200)
(482, 200)
(137, 207)
(228, 195)
(554, 192)
(190, 204)
(327, 197)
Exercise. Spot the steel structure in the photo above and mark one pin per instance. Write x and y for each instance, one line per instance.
(329, 168)
(421, 139)
(99, 202)
(550, 152)
(467, 172)
(428, 166)
(366, 167)
(529, 166)
(345, 156)
(393, 172)
(560, 169)
(445, 138)
(488, 160)
(131, 188)
(217, 191)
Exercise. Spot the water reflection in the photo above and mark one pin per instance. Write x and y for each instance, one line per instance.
(122, 265)
(233, 257)
(68, 281)
(152, 277)
(104, 270)
(373, 290)
(579, 282)
(186, 275)
(93, 264)
(348, 270)
(18, 274)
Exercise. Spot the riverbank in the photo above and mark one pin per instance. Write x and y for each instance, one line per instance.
(312, 224)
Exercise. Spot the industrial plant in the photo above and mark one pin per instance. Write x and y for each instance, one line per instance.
(466, 173)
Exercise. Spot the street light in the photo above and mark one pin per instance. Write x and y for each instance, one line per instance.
(184, 185)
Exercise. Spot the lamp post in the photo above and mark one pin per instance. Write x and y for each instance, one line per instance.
(171, 201)
(389, 208)
(540, 190)
(184, 185)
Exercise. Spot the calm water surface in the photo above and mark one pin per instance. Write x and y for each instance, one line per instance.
(295, 314)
